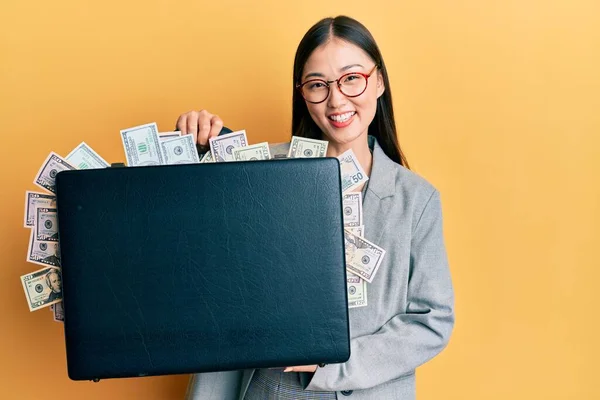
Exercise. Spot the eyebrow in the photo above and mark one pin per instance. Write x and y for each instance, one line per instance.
(320, 75)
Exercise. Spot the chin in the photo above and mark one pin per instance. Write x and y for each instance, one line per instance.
(344, 136)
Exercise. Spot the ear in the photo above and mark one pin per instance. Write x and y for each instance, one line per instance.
(380, 84)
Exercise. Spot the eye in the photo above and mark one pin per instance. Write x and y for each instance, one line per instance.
(351, 78)
(316, 85)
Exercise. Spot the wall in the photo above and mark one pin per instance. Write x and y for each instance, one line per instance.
(497, 104)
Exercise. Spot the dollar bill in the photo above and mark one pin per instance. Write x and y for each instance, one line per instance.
(357, 230)
(357, 290)
(222, 146)
(357, 287)
(46, 176)
(180, 150)
(168, 135)
(279, 150)
(58, 311)
(46, 227)
(207, 158)
(353, 175)
(352, 204)
(142, 145)
(259, 151)
(301, 147)
(42, 288)
(84, 157)
(33, 200)
(43, 252)
(363, 258)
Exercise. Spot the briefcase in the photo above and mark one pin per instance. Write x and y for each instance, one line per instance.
(202, 267)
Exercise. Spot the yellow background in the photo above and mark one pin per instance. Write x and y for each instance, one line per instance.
(497, 104)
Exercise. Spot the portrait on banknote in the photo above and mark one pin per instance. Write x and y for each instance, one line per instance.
(54, 282)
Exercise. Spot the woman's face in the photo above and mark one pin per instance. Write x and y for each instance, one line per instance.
(343, 119)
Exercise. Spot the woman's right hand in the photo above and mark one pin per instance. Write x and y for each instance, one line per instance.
(202, 125)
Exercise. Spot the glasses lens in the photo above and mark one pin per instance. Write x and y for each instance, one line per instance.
(353, 84)
(315, 91)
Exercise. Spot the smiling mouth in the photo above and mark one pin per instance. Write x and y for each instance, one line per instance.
(342, 117)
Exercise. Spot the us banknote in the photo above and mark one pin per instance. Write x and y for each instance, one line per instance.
(46, 176)
(207, 158)
(58, 311)
(33, 200)
(84, 157)
(259, 151)
(46, 226)
(301, 147)
(353, 174)
(42, 288)
(357, 291)
(363, 258)
(352, 204)
(43, 252)
(179, 150)
(142, 145)
(222, 146)
(168, 135)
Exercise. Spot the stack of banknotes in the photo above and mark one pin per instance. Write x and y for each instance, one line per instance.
(43, 288)
(144, 145)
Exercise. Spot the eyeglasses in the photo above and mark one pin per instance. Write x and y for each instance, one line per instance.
(352, 84)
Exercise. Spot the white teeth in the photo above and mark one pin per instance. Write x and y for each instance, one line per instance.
(342, 117)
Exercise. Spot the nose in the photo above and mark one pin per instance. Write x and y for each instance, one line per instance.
(336, 98)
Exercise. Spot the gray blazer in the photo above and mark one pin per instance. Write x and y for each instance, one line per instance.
(409, 317)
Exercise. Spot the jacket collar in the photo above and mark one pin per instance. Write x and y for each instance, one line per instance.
(382, 182)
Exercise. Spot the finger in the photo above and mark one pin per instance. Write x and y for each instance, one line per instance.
(289, 369)
(216, 124)
(180, 125)
(204, 118)
(192, 125)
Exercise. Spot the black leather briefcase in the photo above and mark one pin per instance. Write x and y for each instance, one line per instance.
(204, 267)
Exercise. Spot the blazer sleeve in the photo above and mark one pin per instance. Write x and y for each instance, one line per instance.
(413, 337)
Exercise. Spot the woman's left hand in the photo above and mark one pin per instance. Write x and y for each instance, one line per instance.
(302, 368)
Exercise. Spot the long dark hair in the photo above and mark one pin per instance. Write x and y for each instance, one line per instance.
(383, 126)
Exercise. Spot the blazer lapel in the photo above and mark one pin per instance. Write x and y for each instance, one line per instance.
(381, 187)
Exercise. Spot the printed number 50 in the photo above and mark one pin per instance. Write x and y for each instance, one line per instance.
(357, 178)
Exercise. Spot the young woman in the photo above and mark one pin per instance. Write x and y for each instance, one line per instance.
(342, 94)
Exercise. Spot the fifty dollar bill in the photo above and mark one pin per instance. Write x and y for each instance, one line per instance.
(33, 200)
(43, 252)
(46, 176)
(46, 227)
(353, 175)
